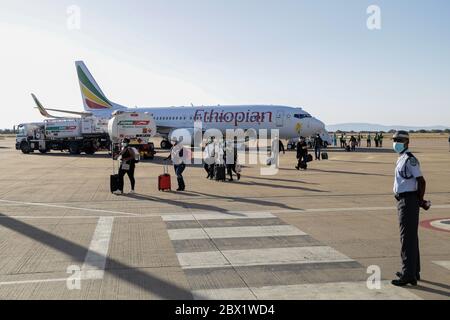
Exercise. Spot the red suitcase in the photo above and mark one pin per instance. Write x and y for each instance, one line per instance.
(164, 181)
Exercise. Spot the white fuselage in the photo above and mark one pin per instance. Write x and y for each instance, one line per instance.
(291, 122)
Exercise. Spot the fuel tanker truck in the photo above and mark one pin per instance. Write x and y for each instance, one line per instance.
(76, 135)
(139, 127)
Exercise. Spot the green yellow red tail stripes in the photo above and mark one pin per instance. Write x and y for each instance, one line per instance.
(93, 97)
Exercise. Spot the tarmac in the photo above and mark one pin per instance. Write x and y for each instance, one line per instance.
(324, 233)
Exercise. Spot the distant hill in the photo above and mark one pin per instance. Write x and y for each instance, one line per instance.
(378, 127)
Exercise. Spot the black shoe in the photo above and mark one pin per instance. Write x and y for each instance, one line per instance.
(296, 167)
(399, 274)
(403, 282)
(239, 176)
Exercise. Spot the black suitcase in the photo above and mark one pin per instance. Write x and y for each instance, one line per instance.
(303, 165)
(114, 182)
(324, 156)
(309, 158)
(219, 172)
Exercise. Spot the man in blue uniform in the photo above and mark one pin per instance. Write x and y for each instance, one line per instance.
(409, 190)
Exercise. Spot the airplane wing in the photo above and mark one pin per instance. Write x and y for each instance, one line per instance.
(85, 114)
(43, 111)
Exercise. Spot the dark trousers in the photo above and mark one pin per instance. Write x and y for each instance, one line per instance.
(318, 152)
(302, 159)
(230, 169)
(408, 216)
(179, 169)
(130, 174)
(209, 168)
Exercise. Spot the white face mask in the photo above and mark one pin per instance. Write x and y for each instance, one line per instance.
(399, 147)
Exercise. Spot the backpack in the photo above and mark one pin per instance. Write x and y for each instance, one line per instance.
(137, 155)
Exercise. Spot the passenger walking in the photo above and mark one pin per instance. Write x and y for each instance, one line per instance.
(369, 140)
(302, 154)
(231, 158)
(409, 190)
(177, 154)
(380, 140)
(353, 143)
(376, 140)
(318, 144)
(342, 139)
(359, 139)
(335, 139)
(208, 158)
(281, 147)
(127, 157)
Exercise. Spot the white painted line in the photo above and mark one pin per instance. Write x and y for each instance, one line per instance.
(224, 294)
(316, 291)
(95, 261)
(444, 264)
(199, 215)
(218, 216)
(257, 257)
(67, 207)
(312, 210)
(439, 224)
(6, 283)
(234, 232)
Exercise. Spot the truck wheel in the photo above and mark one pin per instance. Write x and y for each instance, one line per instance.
(89, 151)
(74, 148)
(166, 145)
(25, 147)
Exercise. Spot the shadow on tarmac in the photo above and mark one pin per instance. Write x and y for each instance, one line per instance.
(245, 200)
(133, 276)
(341, 172)
(181, 204)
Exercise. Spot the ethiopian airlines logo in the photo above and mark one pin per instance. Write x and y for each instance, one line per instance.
(222, 116)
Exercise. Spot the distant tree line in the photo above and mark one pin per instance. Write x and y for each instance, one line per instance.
(7, 131)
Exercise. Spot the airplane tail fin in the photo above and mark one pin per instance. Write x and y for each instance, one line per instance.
(93, 97)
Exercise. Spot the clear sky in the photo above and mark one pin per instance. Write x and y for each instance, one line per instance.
(316, 54)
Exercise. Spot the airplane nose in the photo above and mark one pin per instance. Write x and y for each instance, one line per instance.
(318, 124)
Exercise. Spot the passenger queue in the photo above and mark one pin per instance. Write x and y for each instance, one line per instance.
(221, 158)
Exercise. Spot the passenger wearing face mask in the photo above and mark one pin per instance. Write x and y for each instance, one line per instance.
(127, 158)
(409, 190)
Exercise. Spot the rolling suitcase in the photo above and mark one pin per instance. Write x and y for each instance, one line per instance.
(219, 172)
(164, 180)
(309, 158)
(114, 182)
(324, 156)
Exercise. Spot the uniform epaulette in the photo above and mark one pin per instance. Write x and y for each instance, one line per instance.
(412, 159)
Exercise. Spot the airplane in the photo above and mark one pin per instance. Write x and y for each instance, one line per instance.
(290, 121)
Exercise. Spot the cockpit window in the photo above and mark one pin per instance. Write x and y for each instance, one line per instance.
(302, 115)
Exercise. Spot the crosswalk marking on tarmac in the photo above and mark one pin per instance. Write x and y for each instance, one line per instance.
(234, 232)
(322, 291)
(443, 264)
(255, 255)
